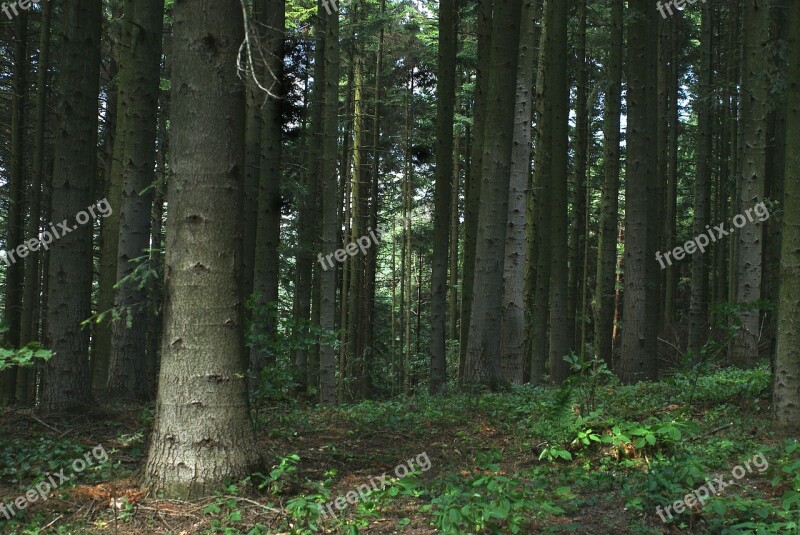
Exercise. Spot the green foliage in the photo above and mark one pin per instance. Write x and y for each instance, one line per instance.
(487, 502)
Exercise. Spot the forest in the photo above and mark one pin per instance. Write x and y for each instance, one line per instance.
(399, 266)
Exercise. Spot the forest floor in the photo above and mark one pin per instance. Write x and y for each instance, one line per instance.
(592, 457)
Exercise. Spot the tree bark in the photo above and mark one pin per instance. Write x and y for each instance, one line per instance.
(127, 377)
(203, 434)
(445, 102)
(67, 381)
(786, 382)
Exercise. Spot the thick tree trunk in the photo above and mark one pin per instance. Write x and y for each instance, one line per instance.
(327, 357)
(638, 358)
(473, 178)
(754, 110)
(512, 337)
(786, 386)
(203, 435)
(484, 337)
(67, 382)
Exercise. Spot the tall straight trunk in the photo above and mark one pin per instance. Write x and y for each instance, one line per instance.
(671, 167)
(307, 232)
(786, 382)
(445, 112)
(267, 260)
(638, 359)
(127, 375)
(473, 179)
(203, 434)
(776, 163)
(407, 267)
(484, 338)
(698, 306)
(16, 195)
(372, 253)
(360, 216)
(512, 337)
(67, 382)
(452, 284)
(155, 287)
(577, 234)
(609, 202)
(753, 119)
(109, 229)
(539, 246)
(561, 329)
(330, 198)
(665, 60)
(32, 287)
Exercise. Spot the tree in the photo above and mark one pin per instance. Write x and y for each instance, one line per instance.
(327, 356)
(16, 209)
(445, 102)
(127, 377)
(753, 120)
(638, 359)
(266, 269)
(512, 338)
(786, 385)
(609, 203)
(698, 307)
(203, 434)
(26, 379)
(561, 328)
(66, 382)
(484, 338)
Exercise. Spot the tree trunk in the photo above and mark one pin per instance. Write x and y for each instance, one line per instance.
(445, 103)
(267, 259)
(473, 178)
(539, 247)
(329, 205)
(127, 375)
(31, 310)
(786, 385)
(698, 306)
(609, 203)
(561, 329)
(109, 229)
(512, 337)
(484, 337)
(203, 434)
(16, 210)
(67, 381)
(638, 358)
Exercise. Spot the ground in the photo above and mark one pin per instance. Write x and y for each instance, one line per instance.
(592, 457)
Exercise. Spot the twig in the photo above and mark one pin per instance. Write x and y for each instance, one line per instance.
(717, 430)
